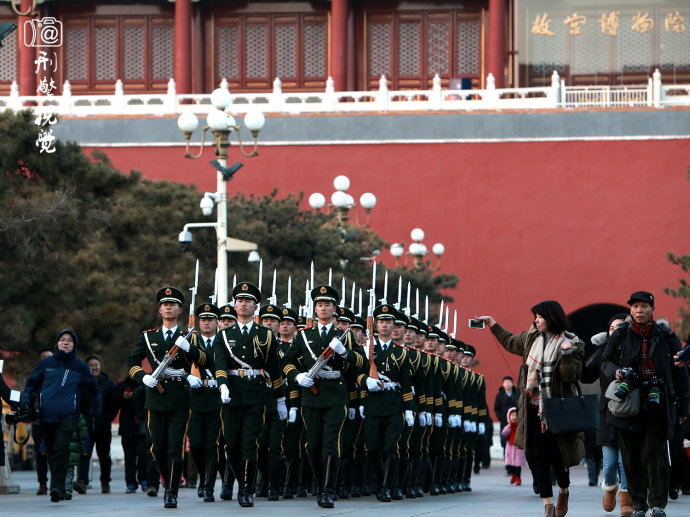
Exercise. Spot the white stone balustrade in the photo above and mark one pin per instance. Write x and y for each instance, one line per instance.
(654, 94)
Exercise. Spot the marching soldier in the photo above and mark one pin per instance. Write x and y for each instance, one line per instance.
(228, 317)
(293, 432)
(247, 371)
(324, 408)
(168, 407)
(270, 448)
(387, 400)
(352, 424)
(204, 425)
(475, 416)
(411, 439)
(359, 485)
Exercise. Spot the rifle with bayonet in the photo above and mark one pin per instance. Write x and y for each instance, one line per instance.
(321, 361)
(170, 354)
(373, 372)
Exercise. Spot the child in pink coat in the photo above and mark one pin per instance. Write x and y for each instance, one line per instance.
(515, 457)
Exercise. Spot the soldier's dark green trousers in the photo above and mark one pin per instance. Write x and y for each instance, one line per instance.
(241, 429)
(168, 432)
(204, 432)
(381, 434)
(323, 427)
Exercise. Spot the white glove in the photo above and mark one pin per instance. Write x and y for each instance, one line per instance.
(438, 419)
(194, 382)
(409, 418)
(351, 413)
(361, 412)
(212, 383)
(304, 381)
(468, 426)
(282, 408)
(224, 394)
(373, 384)
(482, 427)
(427, 417)
(337, 346)
(474, 427)
(422, 419)
(451, 422)
(293, 415)
(149, 381)
(182, 343)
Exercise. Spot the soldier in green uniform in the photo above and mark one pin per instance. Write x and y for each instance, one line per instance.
(389, 402)
(293, 432)
(228, 317)
(454, 436)
(270, 441)
(475, 415)
(352, 424)
(247, 370)
(411, 440)
(359, 485)
(204, 425)
(168, 411)
(324, 408)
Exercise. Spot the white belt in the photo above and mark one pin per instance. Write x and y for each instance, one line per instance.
(244, 372)
(390, 385)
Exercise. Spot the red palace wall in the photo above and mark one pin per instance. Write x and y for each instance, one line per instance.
(582, 222)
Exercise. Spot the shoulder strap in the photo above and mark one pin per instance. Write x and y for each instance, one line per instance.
(148, 344)
(234, 357)
(306, 343)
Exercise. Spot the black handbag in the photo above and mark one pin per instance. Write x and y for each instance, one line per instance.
(572, 413)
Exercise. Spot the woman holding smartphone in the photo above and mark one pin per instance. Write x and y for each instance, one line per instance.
(551, 356)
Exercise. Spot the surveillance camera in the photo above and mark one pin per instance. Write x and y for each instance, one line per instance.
(185, 239)
(206, 206)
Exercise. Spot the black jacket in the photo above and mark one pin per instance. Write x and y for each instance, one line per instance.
(591, 372)
(624, 350)
(502, 404)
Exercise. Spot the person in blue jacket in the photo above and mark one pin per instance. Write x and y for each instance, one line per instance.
(59, 381)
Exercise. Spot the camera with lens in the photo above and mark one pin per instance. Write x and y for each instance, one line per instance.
(21, 412)
(631, 380)
(653, 386)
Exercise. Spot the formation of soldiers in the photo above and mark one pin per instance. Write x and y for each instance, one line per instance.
(336, 405)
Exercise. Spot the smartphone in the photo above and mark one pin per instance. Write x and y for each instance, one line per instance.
(476, 324)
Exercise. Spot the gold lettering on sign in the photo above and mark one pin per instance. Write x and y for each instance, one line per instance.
(642, 23)
(609, 23)
(674, 22)
(575, 21)
(540, 25)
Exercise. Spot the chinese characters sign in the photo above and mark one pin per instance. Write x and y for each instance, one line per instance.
(610, 23)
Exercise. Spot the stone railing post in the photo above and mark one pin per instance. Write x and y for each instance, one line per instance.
(329, 97)
(491, 95)
(170, 102)
(554, 95)
(118, 105)
(277, 96)
(382, 95)
(658, 93)
(436, 93)
(66, 98)
(14, 103)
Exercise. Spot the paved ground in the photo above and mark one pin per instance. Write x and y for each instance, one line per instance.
(492, 496)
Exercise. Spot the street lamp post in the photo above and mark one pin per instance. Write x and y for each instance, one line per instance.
(417, 249)
(221, 123)
(344, 202)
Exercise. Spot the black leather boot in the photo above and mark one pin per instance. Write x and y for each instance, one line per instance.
(418, 465)
(467, 471)
(248, 482)
(409, 480)
(455, 465)
(383, 474)
(228, 482)
(198, 460)
(345, 478)
(291, 472)
(209, 480)
(275, 468)
(397, 490)
(170, 499)
(443, 479)
(330, 480)
(436, 467)
(317, 468)
(304, 477)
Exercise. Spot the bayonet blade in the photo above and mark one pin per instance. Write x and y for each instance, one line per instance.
(426, 309)
(274, 298)
(342, 293)
(352, 298)
(440, 315)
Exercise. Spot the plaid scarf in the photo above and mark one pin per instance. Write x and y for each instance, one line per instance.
(647, 366)
(541, 361)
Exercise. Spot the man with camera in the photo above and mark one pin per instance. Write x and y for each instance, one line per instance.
(639, 356)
